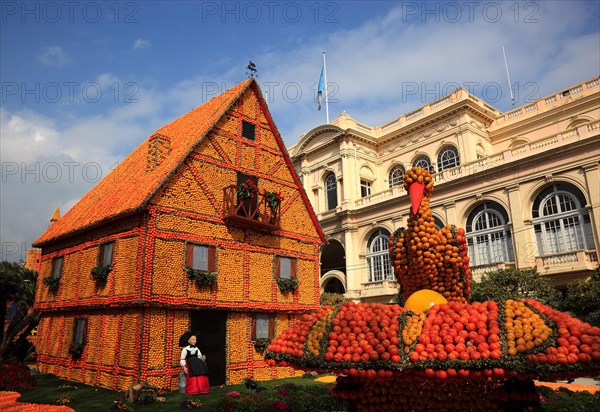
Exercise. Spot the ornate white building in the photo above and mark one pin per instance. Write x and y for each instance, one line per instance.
(524, 184)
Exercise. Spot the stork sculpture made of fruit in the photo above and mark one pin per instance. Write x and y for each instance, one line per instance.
(438, 351)
(426, 258)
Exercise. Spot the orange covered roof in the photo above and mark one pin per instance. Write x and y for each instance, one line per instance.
(129, 186)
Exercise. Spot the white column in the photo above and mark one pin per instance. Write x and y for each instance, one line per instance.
(355, 273)
(524, 243)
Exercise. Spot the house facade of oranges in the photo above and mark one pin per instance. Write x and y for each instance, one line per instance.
(204, 226)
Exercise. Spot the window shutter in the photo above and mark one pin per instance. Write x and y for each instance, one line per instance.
(189, 254)
(277, 267)
(253, 331)
(271, 327)
(294, 269)
(212, 259)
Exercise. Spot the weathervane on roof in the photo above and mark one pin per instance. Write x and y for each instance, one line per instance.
(251, 70)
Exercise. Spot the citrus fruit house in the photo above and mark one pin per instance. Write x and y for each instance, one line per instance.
(204, 226)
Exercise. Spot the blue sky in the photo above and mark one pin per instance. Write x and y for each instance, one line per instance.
(85, 82)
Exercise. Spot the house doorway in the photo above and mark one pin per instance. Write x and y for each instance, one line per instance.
(212, 327)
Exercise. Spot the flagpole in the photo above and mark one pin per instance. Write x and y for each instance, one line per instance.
(325, 87)
(512, 99)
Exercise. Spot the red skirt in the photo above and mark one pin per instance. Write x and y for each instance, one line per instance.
(197, 385)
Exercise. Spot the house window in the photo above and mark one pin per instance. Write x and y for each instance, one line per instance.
(365, 188)
(396, 176)
(488, 235)
(105, 254)
(200, 257)
(286, 268)
(248, 130)
(57, 265)
(79, 331)
(331, 191)
(423, 162)
(378, 256)
(560, 220)
(448, 158)
(263, 326)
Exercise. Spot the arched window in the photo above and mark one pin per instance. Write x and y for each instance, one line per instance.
(334, 285)
(488, 235)
(423, 162)
(560, 220)
(438, 223)
(378, 256)
(448, 158)
(396, 176)
(331, 191)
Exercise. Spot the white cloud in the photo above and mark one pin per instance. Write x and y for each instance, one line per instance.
(375, 65)
(140, 44)
(53, 56)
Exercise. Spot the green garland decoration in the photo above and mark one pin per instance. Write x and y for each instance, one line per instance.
(287, 285)
(201, 277)
(100, 273)
(53, 283)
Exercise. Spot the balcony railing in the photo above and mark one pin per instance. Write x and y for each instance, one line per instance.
(581, 259)
(254, 213)
(480, 270)
(379, 288)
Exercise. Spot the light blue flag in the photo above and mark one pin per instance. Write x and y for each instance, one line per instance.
(320, 88)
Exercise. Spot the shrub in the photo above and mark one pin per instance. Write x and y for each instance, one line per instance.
(514, 284)
(333, 299)
(583, 299)
(15, 376)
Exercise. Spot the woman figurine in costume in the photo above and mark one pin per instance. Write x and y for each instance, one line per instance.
(192, 362)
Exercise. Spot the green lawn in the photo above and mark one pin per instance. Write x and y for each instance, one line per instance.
(304, 395)
(89, 398)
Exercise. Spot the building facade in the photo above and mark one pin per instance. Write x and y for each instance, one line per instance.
(194, 230)
(524, 184)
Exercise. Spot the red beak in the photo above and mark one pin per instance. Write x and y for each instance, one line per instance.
(415, 191)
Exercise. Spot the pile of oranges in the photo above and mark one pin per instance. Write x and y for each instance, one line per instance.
(458, 331)
(364, 332)
(291, 341)
(525, 329)
(428, 391)
(577, 342)
(318, 331)
(412, 330)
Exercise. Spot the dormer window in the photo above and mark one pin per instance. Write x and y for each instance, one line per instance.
(248, 130)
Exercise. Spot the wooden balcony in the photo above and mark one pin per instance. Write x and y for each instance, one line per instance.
(249, 213)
